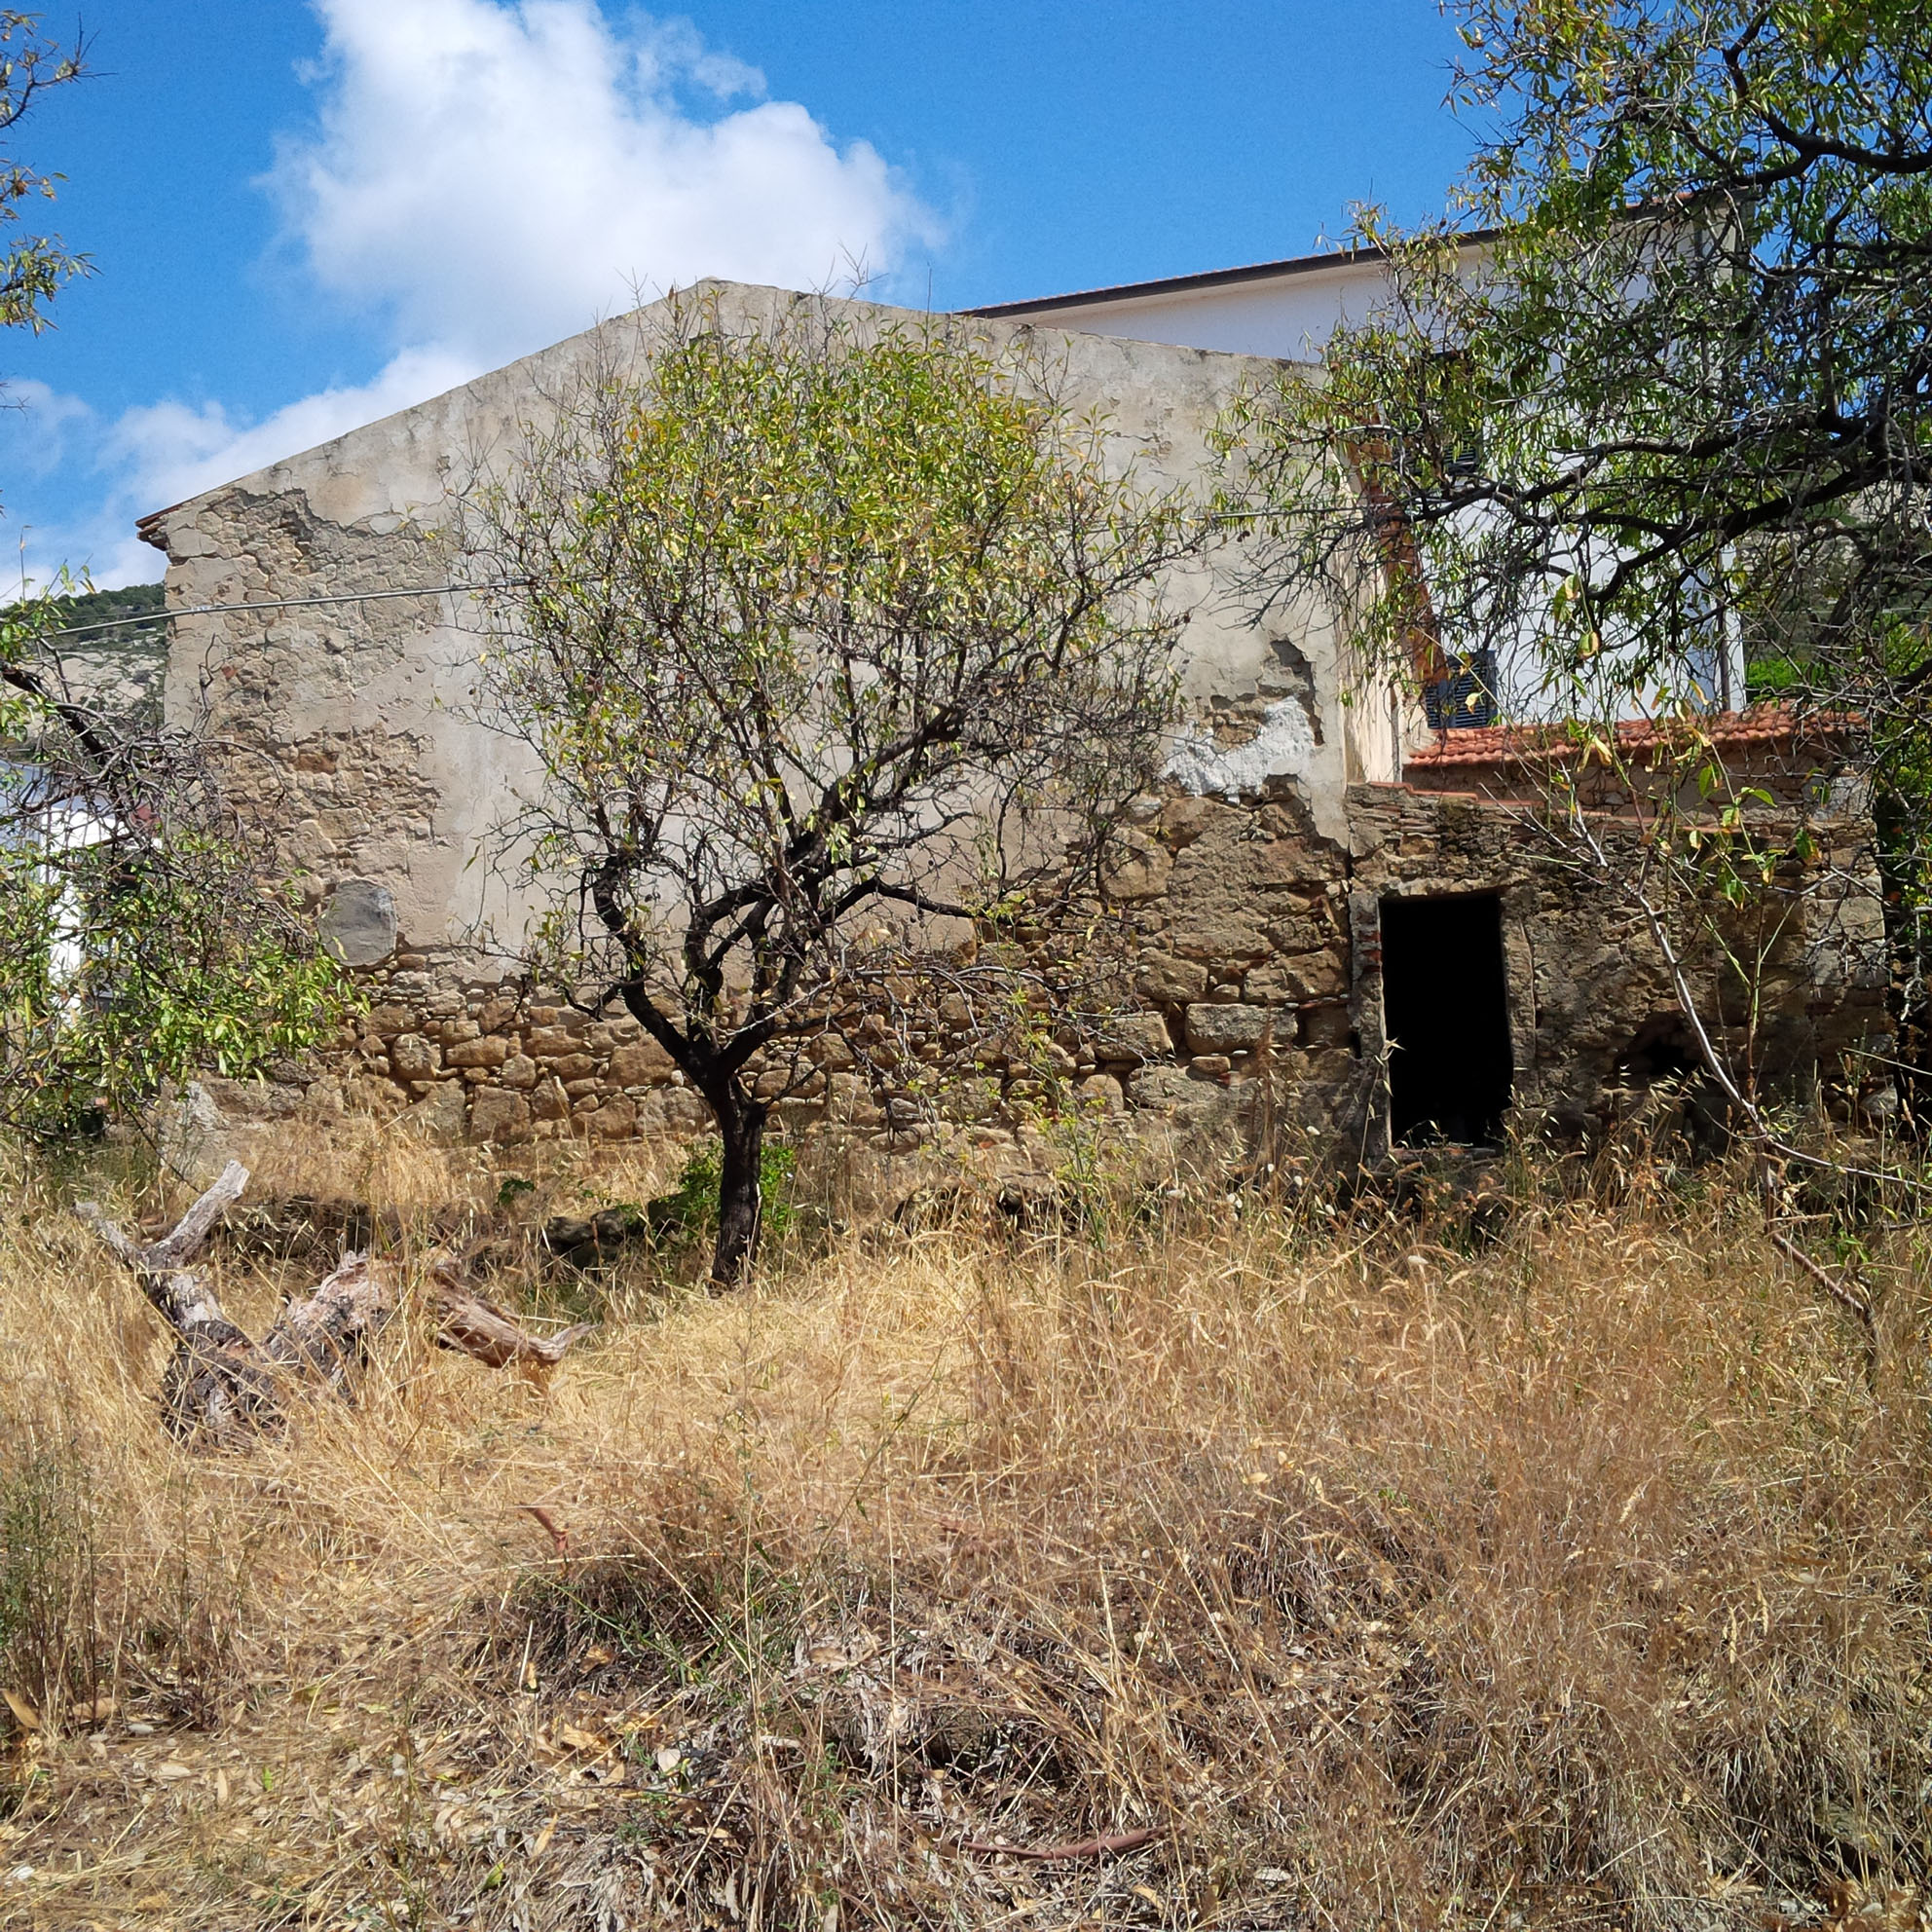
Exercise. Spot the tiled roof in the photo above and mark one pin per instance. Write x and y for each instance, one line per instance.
(1516, 744)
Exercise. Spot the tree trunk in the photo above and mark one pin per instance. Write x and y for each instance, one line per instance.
(741, 1130)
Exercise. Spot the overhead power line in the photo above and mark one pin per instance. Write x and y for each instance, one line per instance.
(279, 604)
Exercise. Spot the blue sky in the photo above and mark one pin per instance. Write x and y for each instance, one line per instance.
(305, 216)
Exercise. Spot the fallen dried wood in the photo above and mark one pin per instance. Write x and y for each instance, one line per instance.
(218, 1383)
(1110, 1846)
(479, 1328)
(221, 1386)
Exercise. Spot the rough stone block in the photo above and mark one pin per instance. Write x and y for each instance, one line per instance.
(641, 1064)
(673, 1110)
(574, 1067)
(497, 1115)
(492, 1052)
(369, 1094)
(607, 1035)
(1299, 932)
(1218, 1028)
(970, 1099)
(389, 1018)
(550, 1042)
(519, 1070)
(439, 1114)
(1138, 871)
(614, 1120)
(1217, 939)
(359, 924)
(1172, 982)
(1315, 976)
(1133, 1037)
(549, 1101)
(413, 1057)
(1193, 1106)
(831, 1052)
(1101, 1093)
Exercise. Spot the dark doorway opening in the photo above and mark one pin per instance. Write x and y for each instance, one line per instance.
(1445, 1010)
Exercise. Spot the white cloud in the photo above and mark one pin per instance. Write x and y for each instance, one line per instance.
(168, 451)
(44, 426)
(495, 176)
(487, 176)
(160, 453)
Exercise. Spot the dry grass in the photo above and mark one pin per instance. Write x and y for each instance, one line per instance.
(1582, 1577)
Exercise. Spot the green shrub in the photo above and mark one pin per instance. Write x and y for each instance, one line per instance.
(688, 1213)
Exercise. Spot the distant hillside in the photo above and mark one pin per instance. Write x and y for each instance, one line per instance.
(117, 668)
(139, 602)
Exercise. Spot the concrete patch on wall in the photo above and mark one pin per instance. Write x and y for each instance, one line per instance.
(359, 925)
(1283, 748)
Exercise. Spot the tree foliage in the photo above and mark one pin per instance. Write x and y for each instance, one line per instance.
(143, 936)
(33, 266)
(1657, 398)
(838, 649)
(1683, 389)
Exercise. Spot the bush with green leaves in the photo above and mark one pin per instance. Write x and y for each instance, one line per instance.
(144, 934)
(689, 1213)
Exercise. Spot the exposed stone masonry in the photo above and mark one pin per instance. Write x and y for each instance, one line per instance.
(1259, 955)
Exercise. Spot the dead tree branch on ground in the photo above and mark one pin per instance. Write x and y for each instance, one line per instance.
(222, 1387)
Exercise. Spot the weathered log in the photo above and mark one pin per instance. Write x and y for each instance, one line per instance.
(479, 1328)
(217, 1381)
(220, 1384)
(327, 1334)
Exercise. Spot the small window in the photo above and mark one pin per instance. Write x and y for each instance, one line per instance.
(1465, 699)
(1445, 1011)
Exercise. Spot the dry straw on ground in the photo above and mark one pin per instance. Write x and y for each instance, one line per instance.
(1578, 1576)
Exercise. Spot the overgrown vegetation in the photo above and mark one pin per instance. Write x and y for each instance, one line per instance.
(146, 931)
(689, 1213)
(1346, 1560)
(52, 1652)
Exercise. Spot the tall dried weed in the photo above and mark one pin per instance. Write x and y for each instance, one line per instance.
(1383, 1574)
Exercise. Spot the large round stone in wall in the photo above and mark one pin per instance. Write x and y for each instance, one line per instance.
(359, 924)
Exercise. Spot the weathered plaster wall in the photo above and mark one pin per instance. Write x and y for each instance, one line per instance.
(375, 765)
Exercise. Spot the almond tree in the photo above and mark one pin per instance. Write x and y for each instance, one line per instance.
(838, 646)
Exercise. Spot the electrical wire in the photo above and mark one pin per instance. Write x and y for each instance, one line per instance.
(279, 604)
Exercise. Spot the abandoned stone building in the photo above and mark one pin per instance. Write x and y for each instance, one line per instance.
(1329, 890)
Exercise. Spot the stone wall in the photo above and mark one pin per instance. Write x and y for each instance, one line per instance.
(1258, 972)
(1587, 984)
(1256, 923)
